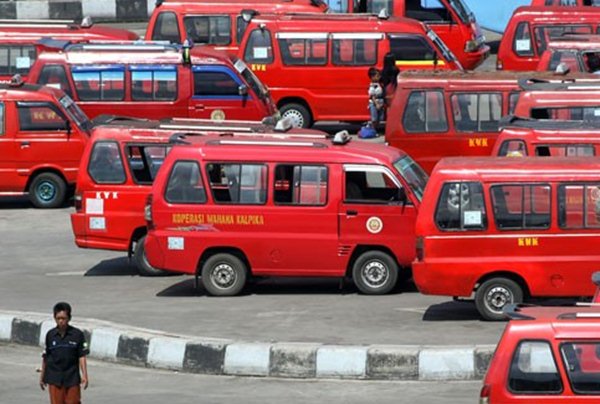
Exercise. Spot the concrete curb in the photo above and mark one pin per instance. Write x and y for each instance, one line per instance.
(115, 10)
(153, 349)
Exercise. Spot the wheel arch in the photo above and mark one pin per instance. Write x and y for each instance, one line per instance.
(43, 170)
(508, 275)
(137, 234)
(235, 251)
(363, 248)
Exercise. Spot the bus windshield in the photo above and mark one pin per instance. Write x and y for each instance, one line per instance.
(413, 174)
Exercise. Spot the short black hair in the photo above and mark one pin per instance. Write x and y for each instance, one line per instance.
(62, 306)
(373, 71)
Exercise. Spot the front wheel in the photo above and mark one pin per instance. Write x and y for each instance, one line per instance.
(47, 191)
(224, 275)
(141, 262)
(495, 294)
(375, 273)
(298, 113)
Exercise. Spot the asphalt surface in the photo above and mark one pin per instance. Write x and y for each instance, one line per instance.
(40, 265)
(107, 385)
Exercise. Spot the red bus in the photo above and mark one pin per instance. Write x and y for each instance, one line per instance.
(534, 223)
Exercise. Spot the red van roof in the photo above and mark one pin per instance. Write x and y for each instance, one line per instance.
(29, 92)
(271, 6)
(23, 31)
(556, 13)
(566, 322)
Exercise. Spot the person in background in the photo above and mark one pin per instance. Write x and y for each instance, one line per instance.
(376, 97)
(389, 76)
(64, 367)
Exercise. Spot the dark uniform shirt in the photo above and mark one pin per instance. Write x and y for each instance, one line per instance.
(62, 356)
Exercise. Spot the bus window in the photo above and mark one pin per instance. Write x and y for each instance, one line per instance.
(575, 211)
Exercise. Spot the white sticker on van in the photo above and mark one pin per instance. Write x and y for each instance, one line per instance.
(596, 112)
(472, 218)
(23, 62)
(54, 85)
(97, 223)
(260, 52)
(175, 243)
(523, 45)
(94, 206)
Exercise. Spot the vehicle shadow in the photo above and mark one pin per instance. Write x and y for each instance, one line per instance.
(494, 45)
(281, 286)
(22, 202)
(452, 311)
(113, 267)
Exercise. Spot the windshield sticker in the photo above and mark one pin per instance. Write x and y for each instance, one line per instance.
(260, 52)
(94, 206)
(523, 45)
(472, 218)
(374, 225)
(175, 243)
(97, 223)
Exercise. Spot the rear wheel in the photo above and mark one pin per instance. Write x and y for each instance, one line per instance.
(298, 113)
(495, 294)
(141, 262)
(224, 275)
(375, 273)
(47, 191)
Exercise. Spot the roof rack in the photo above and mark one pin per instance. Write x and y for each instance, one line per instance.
(86, 22)
(265, 143)
(537, 84)
(512, 121)
(136, 46)
(513, 312)
(576, 315)
(105, 119)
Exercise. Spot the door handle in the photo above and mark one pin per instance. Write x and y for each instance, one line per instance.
(199, 107)
(351, 213)
(25, 144)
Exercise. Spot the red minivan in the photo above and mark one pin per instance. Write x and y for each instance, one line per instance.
(219, 24)
(503, 230)
(154, 80)
(19, 44)
(451, 20)
(316, 66)
(530, 29)
(226, 210)
(580, 53)
(119, 165)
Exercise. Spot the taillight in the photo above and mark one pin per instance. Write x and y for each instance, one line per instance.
(420, 250)
(484, 396)
(148, 212)
(499, 65)
(77, 199)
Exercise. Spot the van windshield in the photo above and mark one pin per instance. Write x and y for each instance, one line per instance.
(463, 11)
(441, 46)
(75, 113)
(413, 174)
(251, 79)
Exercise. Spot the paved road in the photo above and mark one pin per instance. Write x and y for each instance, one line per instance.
(39, 264)
(19, 385)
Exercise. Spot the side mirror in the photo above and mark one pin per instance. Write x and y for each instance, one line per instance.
(243, 90)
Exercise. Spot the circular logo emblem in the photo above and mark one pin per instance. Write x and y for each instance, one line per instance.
(374, 225)
(217, 115)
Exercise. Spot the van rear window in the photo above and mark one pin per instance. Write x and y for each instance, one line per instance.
(185, 184)
(522, 44)
(579, 206)
(582, 361)
(461, 207)
(425, 112)
(259, 48)
(300, 185)
(238, 183)
(213, 30)
(106, 165)
(166, 28)
(16, 59)
(477, 112)
(533, 369)
(519, 206)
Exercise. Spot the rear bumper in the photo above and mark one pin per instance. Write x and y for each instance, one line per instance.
(441, 280)
(473, 59)
(94, 239)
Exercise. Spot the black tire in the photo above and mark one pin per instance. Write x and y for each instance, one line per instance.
(375, 273)
(142, 264)
(300, 115)
(224, 275)
(47, 191)
(494, 294)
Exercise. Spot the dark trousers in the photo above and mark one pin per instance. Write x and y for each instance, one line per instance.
(64, 395)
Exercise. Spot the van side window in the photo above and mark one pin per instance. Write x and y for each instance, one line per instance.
(259, 48)
(522, 44)
(521, 206)
(99, 84)
(185, 184)
(1, 118)
(513, 98)
(375, 7)
(411, 48)
(533, 369)
(303, 51)
(238, 183)
(213, 30)
(567, 113)
(55, 76)
(16, 59)
(512, 148)
(214, 83)
(145, 160)
(561, 150)
(425, 112)
(461, 207)
(166, 28)
(477, 112)
(40, 116)
(354, 52)
(106, 165)
(370, 186)
(427, 10)
(300, 185)
(581, 361)
(153, 83)
(579, 206)
(567, 57)
(545, 34)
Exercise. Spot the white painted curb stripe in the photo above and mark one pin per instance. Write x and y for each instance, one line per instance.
(247, 359)
(341, 361)
(104, 343)
(445, 364)
(166, 352)
(6, 326)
